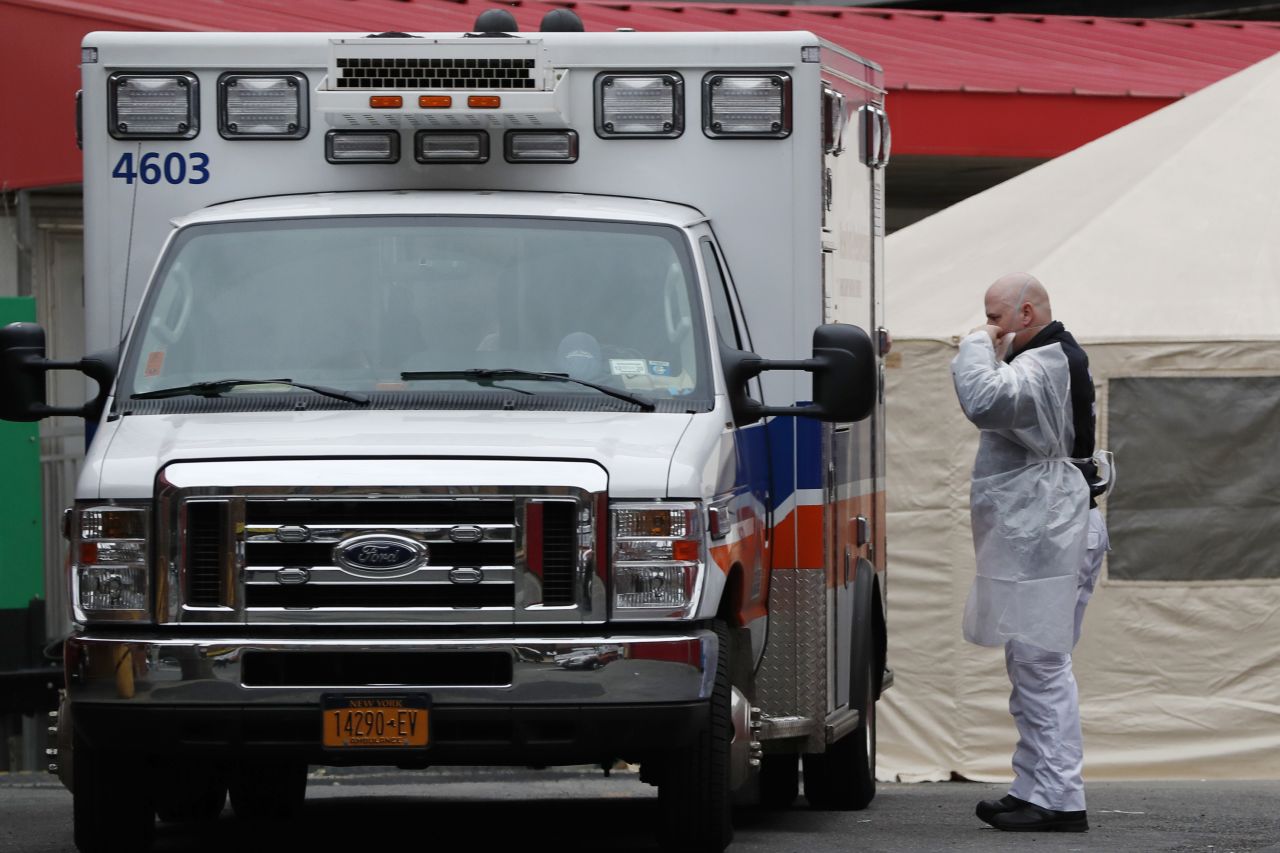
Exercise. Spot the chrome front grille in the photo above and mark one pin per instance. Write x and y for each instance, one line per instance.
(207, 552)
(475, 537)
(559, 552)
(355, 556)
(378, 595)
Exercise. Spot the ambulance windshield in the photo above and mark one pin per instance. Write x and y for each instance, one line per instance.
(406, 309)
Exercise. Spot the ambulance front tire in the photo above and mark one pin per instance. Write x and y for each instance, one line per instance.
(111, 803)
(194, 793)
(694, 799)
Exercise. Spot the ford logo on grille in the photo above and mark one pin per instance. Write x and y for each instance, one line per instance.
(379, 554)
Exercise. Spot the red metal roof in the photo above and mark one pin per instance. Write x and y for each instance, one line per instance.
(960, 83)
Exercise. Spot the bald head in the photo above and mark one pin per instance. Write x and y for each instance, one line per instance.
(1018, 303)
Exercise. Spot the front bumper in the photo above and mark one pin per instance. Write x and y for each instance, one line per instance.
(494, 700)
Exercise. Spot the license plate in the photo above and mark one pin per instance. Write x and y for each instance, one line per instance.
(376, 722)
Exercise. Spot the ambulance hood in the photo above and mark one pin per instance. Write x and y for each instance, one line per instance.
(641, 452)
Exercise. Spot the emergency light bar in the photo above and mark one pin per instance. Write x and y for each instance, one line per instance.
(541, 146)
(362, 146)
(746, 105)
(445, 146)
(153, 106)
(632, 105)
(259, 106)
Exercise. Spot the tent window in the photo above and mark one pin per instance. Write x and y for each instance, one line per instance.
(1198, 497)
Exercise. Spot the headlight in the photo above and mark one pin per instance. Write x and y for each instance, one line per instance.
(110, 567)
(657, 560)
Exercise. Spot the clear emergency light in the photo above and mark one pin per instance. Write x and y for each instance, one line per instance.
(541, 146)
(153, 106)
(448, 146)
(657, 559)
(362, 146)
(746, 105)
(633, 105)
(259, 106)
(109, 562)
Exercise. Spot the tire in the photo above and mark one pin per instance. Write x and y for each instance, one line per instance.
(268, 790)
(693, 794)
(779, 780)
(844, 777)
(194, 794)
(112, 808)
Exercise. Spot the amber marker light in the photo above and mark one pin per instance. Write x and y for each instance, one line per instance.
(685, 549)
(484, 102)
(386, 102)
(435, 102)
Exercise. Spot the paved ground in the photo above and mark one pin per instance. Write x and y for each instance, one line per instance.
(580, 810)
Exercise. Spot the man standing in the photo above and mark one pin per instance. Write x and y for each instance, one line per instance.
(1024, 382)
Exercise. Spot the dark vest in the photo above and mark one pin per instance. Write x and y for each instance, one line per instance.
(1083, 417)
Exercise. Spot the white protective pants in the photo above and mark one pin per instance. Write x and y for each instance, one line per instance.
(1049, 757)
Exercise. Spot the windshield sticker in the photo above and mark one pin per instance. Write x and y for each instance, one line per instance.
(155, 364)
(660, 368)
(627, 366)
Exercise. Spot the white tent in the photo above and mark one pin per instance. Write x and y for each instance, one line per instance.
(1160, 247)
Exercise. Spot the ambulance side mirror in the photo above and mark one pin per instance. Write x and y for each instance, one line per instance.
(22, 376)
(844, 387)
(844, 377)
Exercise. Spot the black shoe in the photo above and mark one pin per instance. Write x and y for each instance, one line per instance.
(1031, 818)
(988, 809)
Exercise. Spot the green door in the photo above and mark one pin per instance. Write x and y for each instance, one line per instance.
(21, 527)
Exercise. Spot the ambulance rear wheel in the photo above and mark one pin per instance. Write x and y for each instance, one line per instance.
(844, 777)
(693, 792)
(111, 802)
(779, 780)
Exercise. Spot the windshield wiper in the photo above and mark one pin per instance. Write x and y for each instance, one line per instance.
(218, 387)
(482, 374)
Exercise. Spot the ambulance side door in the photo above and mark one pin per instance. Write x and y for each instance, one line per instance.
(747, 501)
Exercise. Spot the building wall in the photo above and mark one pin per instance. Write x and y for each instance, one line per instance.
(8, 254)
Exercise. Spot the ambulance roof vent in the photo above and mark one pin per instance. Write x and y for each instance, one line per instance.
(424, 65)
(561, 21)
(495, 22)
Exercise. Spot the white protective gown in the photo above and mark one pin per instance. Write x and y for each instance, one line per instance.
(1029, 504)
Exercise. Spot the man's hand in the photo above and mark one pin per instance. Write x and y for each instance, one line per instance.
(993, 332)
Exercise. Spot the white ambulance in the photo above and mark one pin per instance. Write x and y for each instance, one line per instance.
(469, 399)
